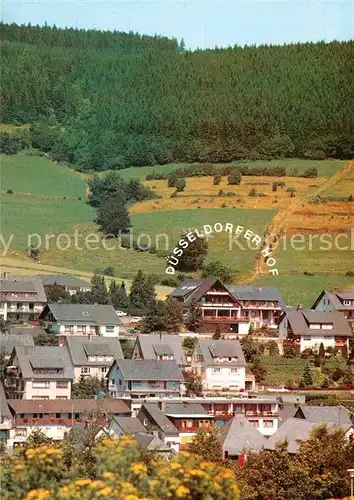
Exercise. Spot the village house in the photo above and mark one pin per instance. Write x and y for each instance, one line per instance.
(221, 364)
(156, 422)
(147, 377)
(187, 418)
(306, 329)
(263, 413)
(70, 284)
(295, 430)
(159, 346)
(39, 372)
(219, 308)
(92, 355)
(335, 300)
(56, 417)
(338, 415)
(80, 319)
(5, 418)
(8, 341)
(261, 306)
(238, 436)
(21, 298)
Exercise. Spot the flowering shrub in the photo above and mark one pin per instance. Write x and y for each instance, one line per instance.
(40, 474)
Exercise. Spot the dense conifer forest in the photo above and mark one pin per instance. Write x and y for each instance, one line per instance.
(110, 100)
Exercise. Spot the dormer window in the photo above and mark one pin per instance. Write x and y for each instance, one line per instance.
(315, 326)
(347, 302)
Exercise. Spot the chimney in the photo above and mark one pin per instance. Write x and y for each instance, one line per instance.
(6, 275)
(162, 405)
(89, 337)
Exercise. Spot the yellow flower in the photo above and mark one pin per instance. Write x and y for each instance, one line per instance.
(196, 472)
(108, 475)
(138, 468)
(206, 465)
(216, 486)
(97, 484)
(175, 465)
(19, 466)
(182, 491)
(39, 494)
(82, 482)
(106, 491)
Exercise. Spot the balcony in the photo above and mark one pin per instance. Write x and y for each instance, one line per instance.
(228, 319)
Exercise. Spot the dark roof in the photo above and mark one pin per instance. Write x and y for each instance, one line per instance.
(4, 408)
(80, 347)
(191, 289)
(129, 425)
(250, 292)
(9, 341)
(163, 350)
(160, 419)
(83, 313)
(239, 435)
(300, 320)
(288, 411)
(186, 408)
(210, 349)
(23, 284)
(33, 331)
(336, 297)
(295, 429)
(149, 344)
(332, 414)
(150, 442)
(63, 280)
(108, 405)
(149, 369)
(43, 357)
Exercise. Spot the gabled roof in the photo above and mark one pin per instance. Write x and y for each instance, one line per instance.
(250, 292)
(43, 357)
(160, 419)
(300, 320)
(191, 289)
(23, 284)
(63, 280)
(33, 331)
(149, 369)
(149, 345)
(210, 349)
(332, 414)
(80, 347)
(83, 313)
(108, 405)
(4, 407)
(337, 297)
(150, 442)
(295, 429)
(185, 409)
(129, 425)
(239, 435)
(9, 341)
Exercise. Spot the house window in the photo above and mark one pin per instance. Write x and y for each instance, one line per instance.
(233, 371)
(42, 384)
(216, 370)
(268, 423)
(61, 397)
(62, 385)
(69, 328)
(347, 302)
(120, 382)
(255, 422)
(21, 432)
(103, 369)
(110, 329)
(307, 337)
(146, 422)
(187, 424)
(85, 369)
(39, 397)
(57, 415)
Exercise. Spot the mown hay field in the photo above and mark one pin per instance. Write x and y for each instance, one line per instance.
(40, 176)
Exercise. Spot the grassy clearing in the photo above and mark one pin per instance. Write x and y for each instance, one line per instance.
(304, 290)
(163, 229)
(326, 168)
(201, 192)
(23, 215)
(40, 176)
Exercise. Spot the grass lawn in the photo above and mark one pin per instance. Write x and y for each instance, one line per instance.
(22, 215)
(40, 176)
(326, 168)
(304, 290)
(164, 230)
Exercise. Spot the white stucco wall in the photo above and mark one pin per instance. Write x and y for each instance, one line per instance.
(225, 379)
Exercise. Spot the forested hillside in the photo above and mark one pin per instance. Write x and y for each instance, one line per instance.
(109, 100)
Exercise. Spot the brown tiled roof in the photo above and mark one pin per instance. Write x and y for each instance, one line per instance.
(108, 405)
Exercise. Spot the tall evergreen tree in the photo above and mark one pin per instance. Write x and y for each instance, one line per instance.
(142, 291)
(194, 316)
(173, 315)
(194, 255)
(155, 318)
(306, 377)
(118, 296)
(99, 293)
